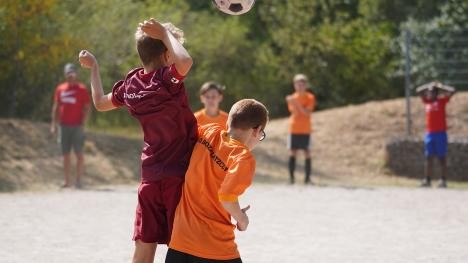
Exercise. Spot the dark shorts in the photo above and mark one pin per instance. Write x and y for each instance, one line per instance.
(71, 137)
(435, 144)
(299, 141)
(157, 202)
(174, 256)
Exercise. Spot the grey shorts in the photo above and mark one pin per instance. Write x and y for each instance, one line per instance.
(71, 137)
(299, 141)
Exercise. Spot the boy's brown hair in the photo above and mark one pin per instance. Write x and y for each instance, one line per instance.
(149, 48)
(211, 85)
(248, 113)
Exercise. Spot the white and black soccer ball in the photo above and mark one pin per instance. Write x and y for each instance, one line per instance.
(234, 7)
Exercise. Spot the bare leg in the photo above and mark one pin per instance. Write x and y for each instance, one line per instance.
(292, 165)
(144, 252)
(308, 166)
(79, 168)
(428, 171)
(66, 169)
(443, 168)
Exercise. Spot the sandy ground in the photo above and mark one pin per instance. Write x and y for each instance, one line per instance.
(288, 224)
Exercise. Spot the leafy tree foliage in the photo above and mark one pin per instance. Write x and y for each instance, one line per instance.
(348, 48)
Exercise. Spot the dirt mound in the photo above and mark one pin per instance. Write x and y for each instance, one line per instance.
(30, 157)
(348, 148)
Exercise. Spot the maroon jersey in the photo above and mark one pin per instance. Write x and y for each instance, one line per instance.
(158, 100)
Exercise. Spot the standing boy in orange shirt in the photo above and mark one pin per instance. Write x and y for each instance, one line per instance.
(221, 168)
(300, 104)
(211, 95)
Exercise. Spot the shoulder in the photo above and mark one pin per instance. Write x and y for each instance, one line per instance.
(61, 86)
(199, 113)
(223, 113)
(310, 95)
(209, 130)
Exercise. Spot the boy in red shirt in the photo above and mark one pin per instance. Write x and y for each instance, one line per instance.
(221, 168)
(211, 95)
(300, 104)
(71, 110)
(435, 140)
(155, 95)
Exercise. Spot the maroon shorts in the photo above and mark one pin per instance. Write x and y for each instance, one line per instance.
(157, 202)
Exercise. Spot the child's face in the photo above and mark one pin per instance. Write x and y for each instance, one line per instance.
(71, 76)
(211, 98)
(300, 86)
(430, 94)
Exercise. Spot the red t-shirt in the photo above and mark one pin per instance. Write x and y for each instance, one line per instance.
(435, 114)
(158, 100)
(71, 99)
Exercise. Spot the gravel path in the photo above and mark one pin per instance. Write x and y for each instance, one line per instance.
(288, 224)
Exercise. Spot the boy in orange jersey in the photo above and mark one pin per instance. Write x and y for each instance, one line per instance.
(211, 95)
(221, 168)
(300, 104)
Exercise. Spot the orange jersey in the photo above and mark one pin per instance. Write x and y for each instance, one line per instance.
(221, 168)
(203, 118)
(300, 123)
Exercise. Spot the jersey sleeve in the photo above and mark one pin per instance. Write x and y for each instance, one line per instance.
(172, 79)
(311, 103)
(238, 178)
(57, 95)
(118, 93)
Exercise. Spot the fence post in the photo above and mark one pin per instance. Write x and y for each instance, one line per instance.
(408, 80)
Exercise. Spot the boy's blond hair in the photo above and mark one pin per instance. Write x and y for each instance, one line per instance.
(248, 113)
(300, 77)
(149, 48)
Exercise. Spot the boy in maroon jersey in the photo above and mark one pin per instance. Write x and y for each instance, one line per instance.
(155, 95)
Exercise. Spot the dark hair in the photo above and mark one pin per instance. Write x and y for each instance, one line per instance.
(248, 113)
(148, 48)
(207, 86)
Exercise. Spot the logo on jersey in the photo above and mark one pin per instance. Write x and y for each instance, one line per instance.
(174, 80)
(67, 97)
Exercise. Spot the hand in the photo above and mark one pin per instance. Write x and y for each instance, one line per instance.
(87, 59)
(153, 28)
(289, 98)
(53, 129)
(244, 222)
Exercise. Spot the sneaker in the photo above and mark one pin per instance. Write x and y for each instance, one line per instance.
(442, 184)
(425, 183)
(78, 185)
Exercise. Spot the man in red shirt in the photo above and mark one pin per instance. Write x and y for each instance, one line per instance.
(71, 110)
(435, 140)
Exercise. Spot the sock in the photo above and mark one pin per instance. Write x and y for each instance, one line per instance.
(292, 167)
(308, 169)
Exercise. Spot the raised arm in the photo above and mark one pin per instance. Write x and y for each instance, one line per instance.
(182, 59)
(102, 102)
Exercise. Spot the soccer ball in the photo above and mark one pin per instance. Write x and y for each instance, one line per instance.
(234, 7)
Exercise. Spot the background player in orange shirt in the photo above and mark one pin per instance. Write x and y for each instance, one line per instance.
(300, 104)
(211, 95)
(221, 168)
